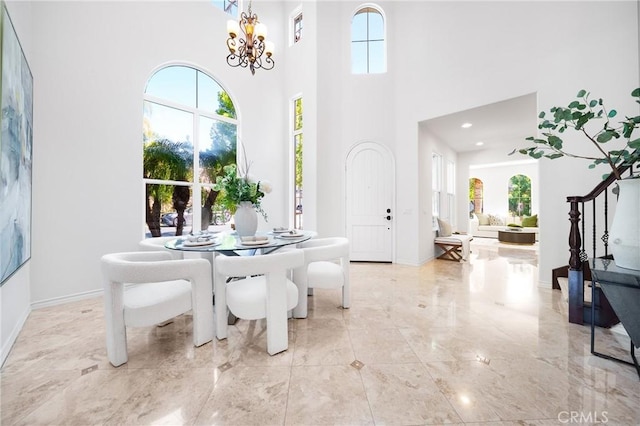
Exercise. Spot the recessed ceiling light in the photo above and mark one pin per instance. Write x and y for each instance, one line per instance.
(466, 125)
(480, 143)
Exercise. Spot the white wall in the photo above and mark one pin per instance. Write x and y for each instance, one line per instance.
(15, 293)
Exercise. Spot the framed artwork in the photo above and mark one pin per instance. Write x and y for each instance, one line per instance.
(15, 151)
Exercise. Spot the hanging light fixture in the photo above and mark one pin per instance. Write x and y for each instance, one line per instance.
(247, 44)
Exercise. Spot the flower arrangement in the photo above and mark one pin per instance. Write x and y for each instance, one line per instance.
(576, 116)
(236, 187)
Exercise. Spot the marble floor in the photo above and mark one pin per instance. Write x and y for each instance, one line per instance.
(444, 343)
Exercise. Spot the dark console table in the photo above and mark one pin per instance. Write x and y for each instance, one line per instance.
(621, 286)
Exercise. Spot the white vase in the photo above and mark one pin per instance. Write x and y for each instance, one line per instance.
(624, 238)
(246, 219)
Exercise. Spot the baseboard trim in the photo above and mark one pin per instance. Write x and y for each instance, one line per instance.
(6, 348)
(66, 299)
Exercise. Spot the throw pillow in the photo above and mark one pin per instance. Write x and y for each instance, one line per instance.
(514, 225)
(531, 221)
(445, 228)
(495, 220)
(483, 219)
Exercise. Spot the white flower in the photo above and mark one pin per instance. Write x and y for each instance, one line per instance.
(265, 186)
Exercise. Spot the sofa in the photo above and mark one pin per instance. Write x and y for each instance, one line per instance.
(488, 225)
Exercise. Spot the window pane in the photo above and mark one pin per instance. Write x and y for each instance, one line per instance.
(164, 199)
(376, 26)
(376, 57)
(175, 84)
(359, 57)
(359, 27)
(168, 160)
(217, 147)
(298, 114)
(212, 98)
(297, 28)
(164, 122)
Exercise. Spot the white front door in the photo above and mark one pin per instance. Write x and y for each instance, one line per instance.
(369, 202)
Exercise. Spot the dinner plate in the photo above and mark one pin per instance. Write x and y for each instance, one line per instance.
(254, 243)
(199, 243)
(280, 231)
(291, 235)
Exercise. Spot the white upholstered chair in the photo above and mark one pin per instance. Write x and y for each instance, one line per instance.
(147, 288)
(266, 292)
(326, 265)
(157, 244)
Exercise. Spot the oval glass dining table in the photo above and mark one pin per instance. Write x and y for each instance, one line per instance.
(228, 243)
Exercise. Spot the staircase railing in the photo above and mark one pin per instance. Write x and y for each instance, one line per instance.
(579, 254)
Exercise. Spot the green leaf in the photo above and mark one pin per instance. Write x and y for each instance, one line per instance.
(555, 142)
(574, 104)
(541, 115)
(636, 93)
(612, 113)
(554, 156)
(581, 94)
(635, 144)
(605, 137)
(593, 103)
(581, 107)
(530, 138)
(592, 166)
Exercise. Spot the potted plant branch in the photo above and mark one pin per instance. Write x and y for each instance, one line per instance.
(580, 115)
(577, 115)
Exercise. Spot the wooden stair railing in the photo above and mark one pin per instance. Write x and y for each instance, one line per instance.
(578, 254)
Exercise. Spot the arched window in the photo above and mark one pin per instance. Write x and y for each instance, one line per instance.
(476, 188)
(520, 196)
(189, 134)
(367, 41)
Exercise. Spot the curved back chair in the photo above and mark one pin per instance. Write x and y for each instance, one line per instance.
(326, 265)
(157, 244)
(265, 293)
(147, 288)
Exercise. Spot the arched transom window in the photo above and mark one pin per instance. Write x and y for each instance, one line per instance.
(368, 41)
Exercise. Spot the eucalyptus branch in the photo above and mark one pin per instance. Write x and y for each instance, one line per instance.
(577, 115)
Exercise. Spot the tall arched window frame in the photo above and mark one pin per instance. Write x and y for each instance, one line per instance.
(190, 129)
(368, 45)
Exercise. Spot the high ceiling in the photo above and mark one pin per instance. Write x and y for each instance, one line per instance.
(501, 125)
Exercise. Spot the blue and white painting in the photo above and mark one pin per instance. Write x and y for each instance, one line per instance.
(15, 153)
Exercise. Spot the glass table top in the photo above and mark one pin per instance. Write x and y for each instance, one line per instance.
(229, 241)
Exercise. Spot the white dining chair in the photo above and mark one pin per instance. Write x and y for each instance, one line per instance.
(147, 288)
(157, 244)
(265, 292)
(326, 265)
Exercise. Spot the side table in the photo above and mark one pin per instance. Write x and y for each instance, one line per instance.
(621, 286)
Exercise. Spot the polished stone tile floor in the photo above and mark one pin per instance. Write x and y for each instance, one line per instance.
(444, 343)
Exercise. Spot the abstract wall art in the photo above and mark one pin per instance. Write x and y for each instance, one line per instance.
(15, 151)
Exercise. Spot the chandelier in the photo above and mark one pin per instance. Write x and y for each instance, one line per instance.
(249, 48)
